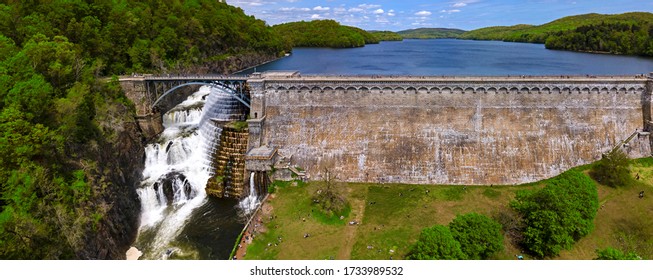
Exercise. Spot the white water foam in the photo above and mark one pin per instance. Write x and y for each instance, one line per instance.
(178, 167)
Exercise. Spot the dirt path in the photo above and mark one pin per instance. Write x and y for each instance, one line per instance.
(357, 214)
(255, 227)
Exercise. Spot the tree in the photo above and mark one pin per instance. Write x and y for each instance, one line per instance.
(478, 235)
(612, 170)
(436, 243)
(558, 215)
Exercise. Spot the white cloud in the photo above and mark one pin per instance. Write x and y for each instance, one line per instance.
(339, 10)
(450, 11)
(293, 9)
(378, 11)
(423, 13)
(320, 8)
(355, 10)
(369, 6)
(459, 5)
(315, 16)
(391, 13)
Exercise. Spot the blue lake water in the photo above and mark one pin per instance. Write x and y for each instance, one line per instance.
(456, 57)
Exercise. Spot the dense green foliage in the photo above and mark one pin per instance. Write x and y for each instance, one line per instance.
(559, 214)
(612, 170)
(436, 243)
(614, 254)
(59, 121)
(430, 33)
(629, 33)
(386, 35)
(618, 38)
(324, 33)
(478, 235)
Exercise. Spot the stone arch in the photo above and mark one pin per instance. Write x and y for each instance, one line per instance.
(565, 90)
(281, 89)
(457, 90)
(632, 90)
(316, 89)
(491, 90)
(423, 90)
(585, 90)
(351, 90)
(575, 90)
(514, 90)
(292, 89)
(480, 90)
(622, 90)
(434, 90)
(525, 90)
(604, 90)
(339, 90)
(556, 90)
(375, 90)
(387, 90)
(398, 90)
(545, 90)
(327, 90)
(446, 90)
(595, 90)
(503, 90)
(364, 90)
(410, 90)
(469, 90)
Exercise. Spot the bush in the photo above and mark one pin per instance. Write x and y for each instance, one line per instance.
(612, 170)
(614, 254)
(436, 243)
(478, 235)
(558, 215)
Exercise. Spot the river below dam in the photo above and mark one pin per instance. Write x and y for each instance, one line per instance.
(452, 57)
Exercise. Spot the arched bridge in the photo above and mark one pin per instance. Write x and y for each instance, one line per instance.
(155, 89)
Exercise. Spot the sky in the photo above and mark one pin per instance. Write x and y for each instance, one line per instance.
(408, 14)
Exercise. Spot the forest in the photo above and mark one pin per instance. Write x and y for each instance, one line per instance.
(628, 33)
(324, 33)
(66, 132)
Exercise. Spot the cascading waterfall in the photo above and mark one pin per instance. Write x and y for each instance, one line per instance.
(249, 204)
(178, 167)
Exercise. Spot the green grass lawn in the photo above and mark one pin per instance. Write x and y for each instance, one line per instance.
(391, 216)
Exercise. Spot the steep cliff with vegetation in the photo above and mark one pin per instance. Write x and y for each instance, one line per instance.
(324, 33)
(70, 150)
(629, 33)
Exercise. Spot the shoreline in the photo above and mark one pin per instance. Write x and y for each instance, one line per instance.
(266, 62)
(248, 233)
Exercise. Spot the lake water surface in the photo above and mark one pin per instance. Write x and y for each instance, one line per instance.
(456, 57)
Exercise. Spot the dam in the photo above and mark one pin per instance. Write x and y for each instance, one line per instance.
(441, 129)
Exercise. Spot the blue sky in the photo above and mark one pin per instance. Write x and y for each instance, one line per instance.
(408, 14)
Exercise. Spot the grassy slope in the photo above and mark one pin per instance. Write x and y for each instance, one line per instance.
(517, 32)
(392, 215)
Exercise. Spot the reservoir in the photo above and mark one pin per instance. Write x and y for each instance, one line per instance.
(452, 57)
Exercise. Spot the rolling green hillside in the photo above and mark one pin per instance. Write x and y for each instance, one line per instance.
(386, 35)
(324, 33)
(430, 33)
(628, 33)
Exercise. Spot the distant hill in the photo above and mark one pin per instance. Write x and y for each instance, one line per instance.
(323, 33)
(430, 33)
(386, 35)
(629, 33)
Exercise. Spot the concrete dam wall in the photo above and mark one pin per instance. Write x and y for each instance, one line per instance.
(447, 130)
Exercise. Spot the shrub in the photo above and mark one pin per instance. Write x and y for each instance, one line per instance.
(558, 215)
(478, 235)
(614, 254)
(436, 243)
(612, 170)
